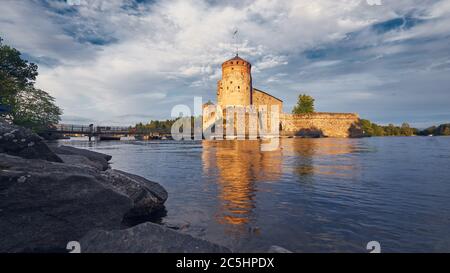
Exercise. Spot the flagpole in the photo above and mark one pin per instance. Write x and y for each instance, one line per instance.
(235, 35)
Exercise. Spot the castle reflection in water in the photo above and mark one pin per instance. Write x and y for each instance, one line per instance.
(241, 165)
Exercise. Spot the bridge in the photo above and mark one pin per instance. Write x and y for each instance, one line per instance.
(108, 132)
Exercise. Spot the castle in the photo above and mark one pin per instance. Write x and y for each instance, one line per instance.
(236, 89)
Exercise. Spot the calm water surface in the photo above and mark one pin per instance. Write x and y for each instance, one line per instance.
(311, 195)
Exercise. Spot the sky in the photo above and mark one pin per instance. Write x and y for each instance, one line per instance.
(119, 62)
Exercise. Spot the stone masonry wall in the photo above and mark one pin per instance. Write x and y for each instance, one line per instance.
(321, 125)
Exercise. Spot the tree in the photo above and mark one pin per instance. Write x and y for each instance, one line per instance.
(378, 130)
(367, 127)
(15, 73)
(446, 131)
(29, 107)
(35, 109)
(406, 130)
(304, 105)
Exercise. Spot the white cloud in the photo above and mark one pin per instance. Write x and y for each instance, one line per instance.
(110, 61)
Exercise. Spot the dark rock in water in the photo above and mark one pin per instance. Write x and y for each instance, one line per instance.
(177, 225)
(147, 196)
(81, 161)
(91, 155)
(51, 196)
(44, 205)
(146, 238)
(18, 141)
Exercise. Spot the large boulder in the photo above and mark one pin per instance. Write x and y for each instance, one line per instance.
(81, 161)
(18, 141)
(96, 157)
(44, 205)
(146, 238)
(147, 196)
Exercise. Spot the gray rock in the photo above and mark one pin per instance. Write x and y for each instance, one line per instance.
(91, 155)
(146, 238)
(18, 141)
(82, 161)
(177, 224)
(147, 196)
(44, 205)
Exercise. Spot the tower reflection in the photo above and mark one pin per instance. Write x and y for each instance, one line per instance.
(239, 164)
(242, 170)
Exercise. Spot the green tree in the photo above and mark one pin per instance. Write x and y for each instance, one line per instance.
(15, 73)
(367, 127)
(304, 105)
(378, 130)
(406, 130)
(446, 131)
(35, 109)
(29, 107)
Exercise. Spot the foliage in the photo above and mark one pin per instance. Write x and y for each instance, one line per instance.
(29, 107)
(373, 129)
(304, 105)
(35, 109)
(155, 126)
(441, 130)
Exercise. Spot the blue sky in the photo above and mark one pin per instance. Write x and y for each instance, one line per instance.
(126, 61)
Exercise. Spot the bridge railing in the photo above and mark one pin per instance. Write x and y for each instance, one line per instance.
(72, 128)
(86, 129)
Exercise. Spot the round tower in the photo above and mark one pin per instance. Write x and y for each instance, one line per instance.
(235, 87)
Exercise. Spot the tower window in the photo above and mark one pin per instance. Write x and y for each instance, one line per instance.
(239, 87)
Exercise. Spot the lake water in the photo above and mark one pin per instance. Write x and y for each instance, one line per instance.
(311, 195)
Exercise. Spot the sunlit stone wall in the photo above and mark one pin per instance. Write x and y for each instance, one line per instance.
(321, 124)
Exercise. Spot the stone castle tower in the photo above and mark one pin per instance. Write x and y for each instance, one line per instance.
(235, 87)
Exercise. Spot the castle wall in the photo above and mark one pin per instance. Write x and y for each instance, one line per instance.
(236, 89)
(261, 98)
(321, 124)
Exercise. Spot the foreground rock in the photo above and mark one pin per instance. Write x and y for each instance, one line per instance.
(49, 197)
(44, 205)
(146, 238)
(82, 156)
(82, 161)
(18, 141)
(147, 196)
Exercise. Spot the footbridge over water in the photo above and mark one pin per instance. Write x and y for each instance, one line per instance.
(108, 132)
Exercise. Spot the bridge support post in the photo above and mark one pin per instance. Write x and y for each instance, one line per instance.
(91, 131)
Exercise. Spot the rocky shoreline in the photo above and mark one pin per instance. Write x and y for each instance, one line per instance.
(51, 195)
